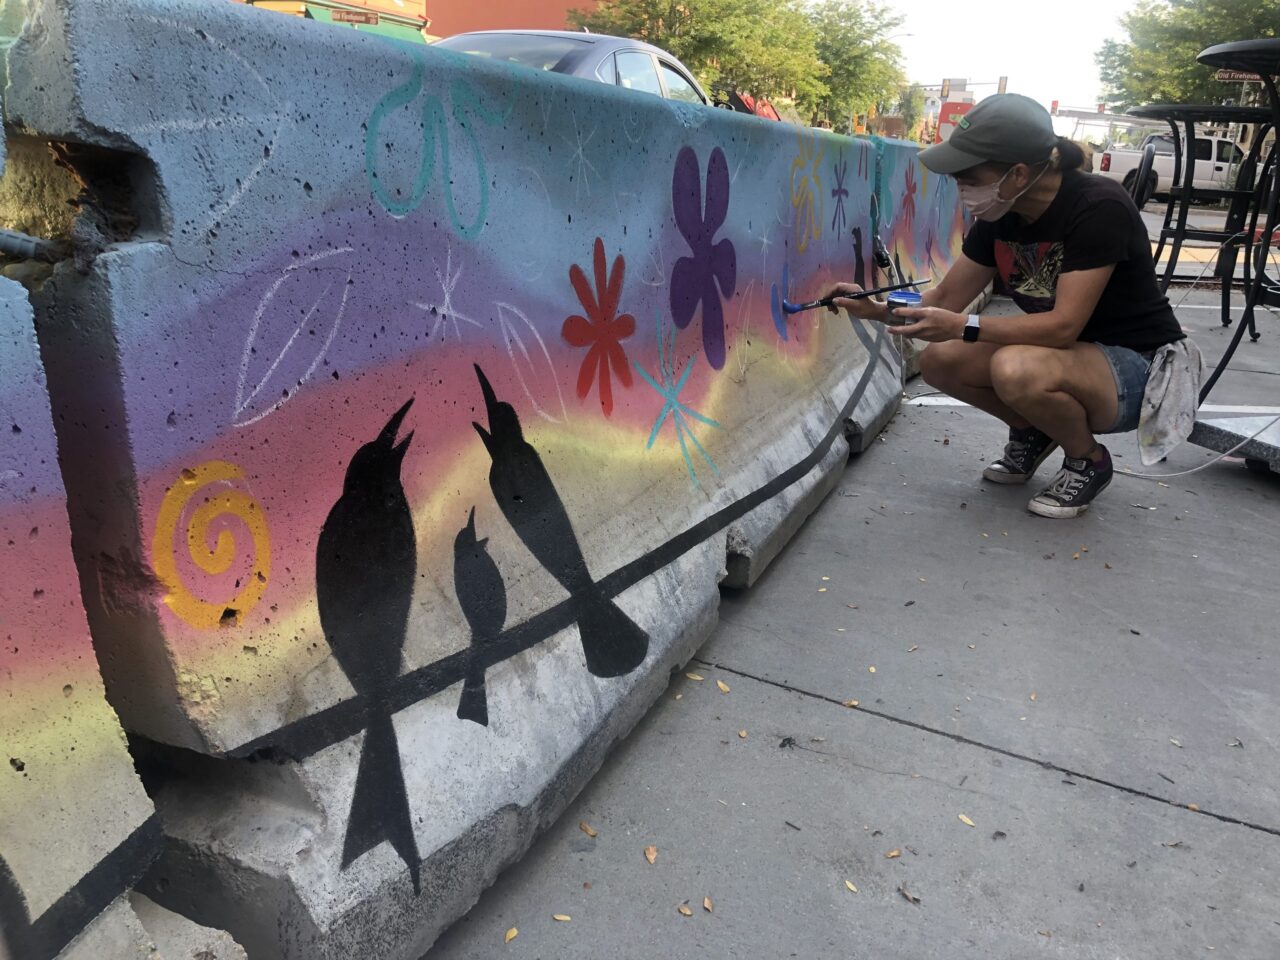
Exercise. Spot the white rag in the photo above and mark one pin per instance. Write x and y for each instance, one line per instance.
(1171, 399)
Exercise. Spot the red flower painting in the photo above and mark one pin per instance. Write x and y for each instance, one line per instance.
(601, 331)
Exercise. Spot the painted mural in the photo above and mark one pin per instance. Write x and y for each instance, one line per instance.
(918, 213)
(421, 386)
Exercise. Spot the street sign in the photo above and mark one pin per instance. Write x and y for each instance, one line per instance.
(949, 117)
(1236, 76)
(366, 18)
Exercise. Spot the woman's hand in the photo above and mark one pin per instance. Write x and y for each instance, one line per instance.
(864, 307)
(930, 323)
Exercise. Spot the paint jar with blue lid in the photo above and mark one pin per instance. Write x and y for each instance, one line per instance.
(902, 298)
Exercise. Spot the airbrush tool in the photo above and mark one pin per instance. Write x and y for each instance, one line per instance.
(829, 301)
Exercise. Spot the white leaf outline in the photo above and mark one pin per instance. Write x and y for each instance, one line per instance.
(281, 116)
(242, 401)
(511, 335)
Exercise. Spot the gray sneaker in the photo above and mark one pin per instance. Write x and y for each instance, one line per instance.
(1023, 454)
(1074, 488)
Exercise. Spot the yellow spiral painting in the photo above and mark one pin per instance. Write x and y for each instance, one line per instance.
(203, 495)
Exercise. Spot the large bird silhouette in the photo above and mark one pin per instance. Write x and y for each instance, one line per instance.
(483, 598)
(366, 564)
(612, 643)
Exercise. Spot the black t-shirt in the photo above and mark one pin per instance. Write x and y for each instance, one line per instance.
(1091, 223)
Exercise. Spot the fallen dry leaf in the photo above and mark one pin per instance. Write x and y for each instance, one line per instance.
(826, 578)
(695, 676)
(707, 905)
(851, 703)
(1075, 556)
(910, 897)
(561, 917)
(742, 734)
(817, 739)
(893, 854)
(871, 669)
(685, 910)
(1176, 843)
(852, 888)
(822, 589)
(1032, 698)
(1045, 933)
(1107, 566)
(966, 821)
(589, 830)
(724, 687)
(852, 606)
(973, 646)
(511, 935)
(922, 579)
(679, 696)
(1194, 807)
(651, 853)
(913, 648)
(1175, 743)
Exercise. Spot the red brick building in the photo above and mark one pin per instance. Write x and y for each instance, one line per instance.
(459, 16)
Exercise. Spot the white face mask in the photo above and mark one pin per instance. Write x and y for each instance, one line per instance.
(983, 201)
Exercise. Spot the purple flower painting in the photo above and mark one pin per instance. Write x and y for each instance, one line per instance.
(709, 275)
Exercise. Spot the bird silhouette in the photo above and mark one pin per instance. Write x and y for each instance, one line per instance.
(612, 643)
(859, 264)
(16, 937)
(366, 564)
(483, 598)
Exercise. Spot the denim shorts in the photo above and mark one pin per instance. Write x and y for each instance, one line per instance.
(1130, 369)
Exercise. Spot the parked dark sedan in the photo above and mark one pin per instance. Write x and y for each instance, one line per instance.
(593, 56)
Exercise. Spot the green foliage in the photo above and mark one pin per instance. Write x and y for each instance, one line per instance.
(911, 108)
(866, 69)
(829, 57)
(1156, 63)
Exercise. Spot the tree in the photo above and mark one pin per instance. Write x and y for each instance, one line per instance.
(1156, 63)
(865, 66)
(911, 108)
(765, 48)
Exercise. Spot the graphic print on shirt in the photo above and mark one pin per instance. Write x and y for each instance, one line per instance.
(1030, 272)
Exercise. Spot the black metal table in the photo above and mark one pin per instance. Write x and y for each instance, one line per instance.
(1261, 57)
(1183, 191)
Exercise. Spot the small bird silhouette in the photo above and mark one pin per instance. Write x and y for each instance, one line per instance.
(483, 598)
(859, 264)
(366, 564)
(612, 643)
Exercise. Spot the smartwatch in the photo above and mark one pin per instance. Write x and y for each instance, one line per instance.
(971, 328)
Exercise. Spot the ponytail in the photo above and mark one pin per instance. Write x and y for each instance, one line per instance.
(1067, 155)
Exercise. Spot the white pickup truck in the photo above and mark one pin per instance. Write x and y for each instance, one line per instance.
(1217, 162)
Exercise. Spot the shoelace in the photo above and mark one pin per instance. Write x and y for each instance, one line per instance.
(1066, 484)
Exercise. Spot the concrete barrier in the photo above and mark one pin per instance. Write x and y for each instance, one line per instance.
(76, 828)
(411, 410)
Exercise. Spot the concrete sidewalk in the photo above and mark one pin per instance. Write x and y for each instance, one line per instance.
(1099, 698)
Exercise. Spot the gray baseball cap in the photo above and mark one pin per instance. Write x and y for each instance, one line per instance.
(1006, 128)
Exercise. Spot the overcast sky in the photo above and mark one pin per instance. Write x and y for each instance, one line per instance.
(1045, 50)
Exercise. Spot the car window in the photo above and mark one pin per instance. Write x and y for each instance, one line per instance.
(636, 72)
(529, 50)
(678, 85)
(1228, 152)
(1162, 145)
(607, 71)
(1204, 149)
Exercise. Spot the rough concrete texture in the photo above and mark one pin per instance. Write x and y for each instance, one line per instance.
(1072, 709)
(70, 800)
(404, 431)
(177, 938)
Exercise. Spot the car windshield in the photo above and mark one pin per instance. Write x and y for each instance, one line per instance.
(530, 50)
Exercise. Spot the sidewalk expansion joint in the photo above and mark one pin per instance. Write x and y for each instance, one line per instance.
(991, 748)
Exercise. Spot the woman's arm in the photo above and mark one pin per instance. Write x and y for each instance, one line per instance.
(1077, 297)
(959, 288)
